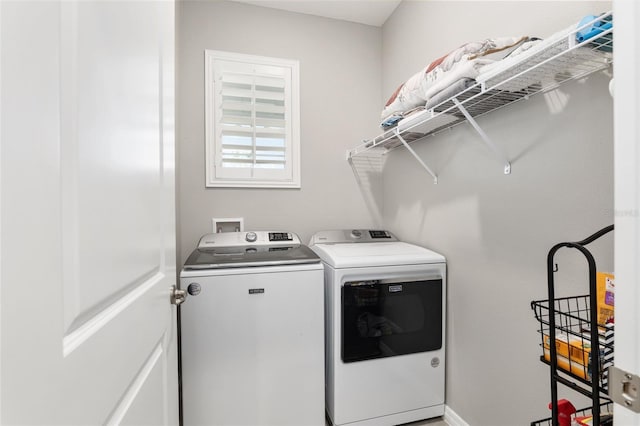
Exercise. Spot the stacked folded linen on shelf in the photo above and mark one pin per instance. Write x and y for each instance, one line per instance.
(480, 77)
(455, 88)
(464, 62)
(531, 63)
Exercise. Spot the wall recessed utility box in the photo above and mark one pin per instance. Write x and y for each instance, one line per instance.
(228, 224)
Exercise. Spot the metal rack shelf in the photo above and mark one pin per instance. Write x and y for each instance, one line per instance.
(589, 343)
(563, 57)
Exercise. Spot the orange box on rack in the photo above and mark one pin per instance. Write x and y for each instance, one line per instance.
(562, 346)
(575, 348)
(567, 365)
(579, 351)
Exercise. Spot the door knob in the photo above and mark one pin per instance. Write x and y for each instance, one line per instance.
(178, 296)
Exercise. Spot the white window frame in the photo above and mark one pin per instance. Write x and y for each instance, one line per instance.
(216, 175)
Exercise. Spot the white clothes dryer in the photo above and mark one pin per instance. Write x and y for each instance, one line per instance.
(252, 331)
(384, 328)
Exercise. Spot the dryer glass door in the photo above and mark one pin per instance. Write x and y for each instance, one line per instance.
(383, 318)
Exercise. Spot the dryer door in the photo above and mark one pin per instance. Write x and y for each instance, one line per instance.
(383, 318)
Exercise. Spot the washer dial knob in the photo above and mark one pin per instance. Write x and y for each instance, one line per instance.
(251, 237)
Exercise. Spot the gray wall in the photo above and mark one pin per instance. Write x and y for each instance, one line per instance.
(496, 230)
(340, 74)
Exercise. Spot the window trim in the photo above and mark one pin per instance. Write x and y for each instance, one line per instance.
(211, 181)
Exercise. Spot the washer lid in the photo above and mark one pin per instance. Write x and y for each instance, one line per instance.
(243, 257)
(357, 255)
(249, 249)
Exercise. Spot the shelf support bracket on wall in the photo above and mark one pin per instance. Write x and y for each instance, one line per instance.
(485, 138)
(406, 145)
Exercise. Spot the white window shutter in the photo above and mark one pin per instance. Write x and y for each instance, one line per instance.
(252, 121)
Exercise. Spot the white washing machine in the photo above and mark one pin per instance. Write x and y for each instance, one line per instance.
(385, 328)
(252, 331)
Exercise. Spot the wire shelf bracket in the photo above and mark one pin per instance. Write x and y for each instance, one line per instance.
(484, 137)
(417, 157)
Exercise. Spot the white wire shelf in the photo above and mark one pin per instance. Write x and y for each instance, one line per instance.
(560, 58)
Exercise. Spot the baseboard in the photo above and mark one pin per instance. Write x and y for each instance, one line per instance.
(452, 419)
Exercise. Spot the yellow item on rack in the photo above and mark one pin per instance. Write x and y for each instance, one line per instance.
(579, 352)
(605, 291)
(565, 364)
(562, 347)
(588, 420)
(577, 349)
(584, 421)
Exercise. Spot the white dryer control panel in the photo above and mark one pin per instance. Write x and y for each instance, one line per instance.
(352, 236)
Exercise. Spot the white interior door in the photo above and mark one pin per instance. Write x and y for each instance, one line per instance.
(627, 197)
(88, 335)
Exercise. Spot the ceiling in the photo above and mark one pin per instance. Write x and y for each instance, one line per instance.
(369, 12)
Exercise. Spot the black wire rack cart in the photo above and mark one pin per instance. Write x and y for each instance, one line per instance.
(576, 348)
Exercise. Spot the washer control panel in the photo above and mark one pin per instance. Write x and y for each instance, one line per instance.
(251, 238)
